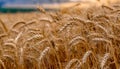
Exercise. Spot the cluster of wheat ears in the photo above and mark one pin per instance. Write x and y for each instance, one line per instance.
(72, 38)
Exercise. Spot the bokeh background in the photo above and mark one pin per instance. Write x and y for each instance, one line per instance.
(31, 5)
(27, 5)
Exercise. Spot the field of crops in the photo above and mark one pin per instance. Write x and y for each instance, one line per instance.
(72, 38)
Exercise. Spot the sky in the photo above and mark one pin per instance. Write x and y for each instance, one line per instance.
(30, 1)
(19, 2)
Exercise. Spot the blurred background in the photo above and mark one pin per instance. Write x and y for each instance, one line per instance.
(29, 5)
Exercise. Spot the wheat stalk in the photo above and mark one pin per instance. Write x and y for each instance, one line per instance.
(65, 26)
(71, 62)
(41, 42)
(108, 7)
(35, 37)
(2, 63)
(28, 24)
(3, 35)
(11, 44)
(94, 34)
(74, 40)
(18, 23)
(37, 50)
(18, 36)
(10, 41)
(104, 29)
(86, 55)
(41, 9)
(78, 19)
(101, 39)
(4, 26)
(33, 30)
(34, 61)
(44, 53)
(21, 59)
(14, 30)
(8, 56)
(104, 60)
(10, 61)
(46, 20)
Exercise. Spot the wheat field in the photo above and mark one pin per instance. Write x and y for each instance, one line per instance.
(71, 38)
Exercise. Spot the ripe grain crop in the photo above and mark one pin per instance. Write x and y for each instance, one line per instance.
(72, 38)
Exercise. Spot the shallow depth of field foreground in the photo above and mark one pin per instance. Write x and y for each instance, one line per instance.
(73, 38)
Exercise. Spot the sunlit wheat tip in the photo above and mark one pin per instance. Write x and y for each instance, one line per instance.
(104, 60)
(18, 36)
(44, 52)
(86, 55)
(74, 40)
(11, 44)
(71, 62)
(101, 39)
(35, 37)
